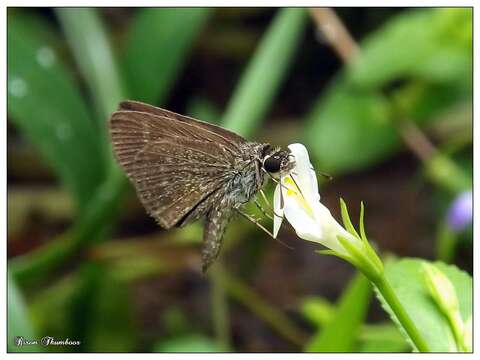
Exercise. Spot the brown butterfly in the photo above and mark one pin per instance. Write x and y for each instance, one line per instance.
(185, 169)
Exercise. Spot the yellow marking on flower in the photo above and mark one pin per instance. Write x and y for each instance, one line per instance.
(294, 191)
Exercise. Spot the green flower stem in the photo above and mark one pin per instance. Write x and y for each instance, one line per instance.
(404, 319)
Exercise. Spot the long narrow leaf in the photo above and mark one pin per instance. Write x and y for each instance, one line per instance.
(269, 66)
(89, 42)
(45, 105)
(18, 321)
(340, 334)
(158, 44)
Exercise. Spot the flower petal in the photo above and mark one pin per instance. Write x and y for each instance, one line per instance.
(311, 220)
(303, 173)
(461, 212)
(297, 215)
(278, 210)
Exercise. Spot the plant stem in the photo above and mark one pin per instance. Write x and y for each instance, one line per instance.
(220, 306)
(245, 295)
(335, 32)
(446, 243)
(404, 319)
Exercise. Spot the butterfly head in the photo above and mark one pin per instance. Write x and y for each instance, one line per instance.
(277, 162)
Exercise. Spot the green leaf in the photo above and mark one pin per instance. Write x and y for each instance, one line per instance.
(317, 310)
(33, 26)
(265, 72)
(349, 129)
(346, 219)
(45, 105)
(57, 295)
(407, 280)
(381, 338)
(104, 312)
(340, 334)
(425, 102)
(352, 125)
(18, 322)
(91, 306)
(157, 46)
(91, 48)
(202, 108)
(432, 44)
(186, 344)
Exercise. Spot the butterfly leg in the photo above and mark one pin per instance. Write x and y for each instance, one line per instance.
(253, 220)
(263, 211)
(268, 204)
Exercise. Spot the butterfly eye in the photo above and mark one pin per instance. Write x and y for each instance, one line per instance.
(272, 164)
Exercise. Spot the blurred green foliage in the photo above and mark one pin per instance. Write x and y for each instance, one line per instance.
(19, 323)
(157, 47)
(63, 131)
(190, 343)
(428, 67)
(66, 76)
(255, 92)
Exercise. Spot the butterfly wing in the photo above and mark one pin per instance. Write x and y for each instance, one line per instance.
(175, 164)
(225, 136)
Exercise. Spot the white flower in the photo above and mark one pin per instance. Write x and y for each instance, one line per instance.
(297, 199)
(299, 202)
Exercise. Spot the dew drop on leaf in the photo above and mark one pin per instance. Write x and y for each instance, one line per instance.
(63, 131)
(17, 87)
(45, 57)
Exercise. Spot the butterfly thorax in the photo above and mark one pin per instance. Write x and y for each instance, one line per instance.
(248, 178)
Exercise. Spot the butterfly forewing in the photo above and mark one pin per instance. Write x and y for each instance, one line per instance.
(176, 163)
(211, 132)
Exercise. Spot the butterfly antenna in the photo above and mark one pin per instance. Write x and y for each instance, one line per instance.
(284, 244)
